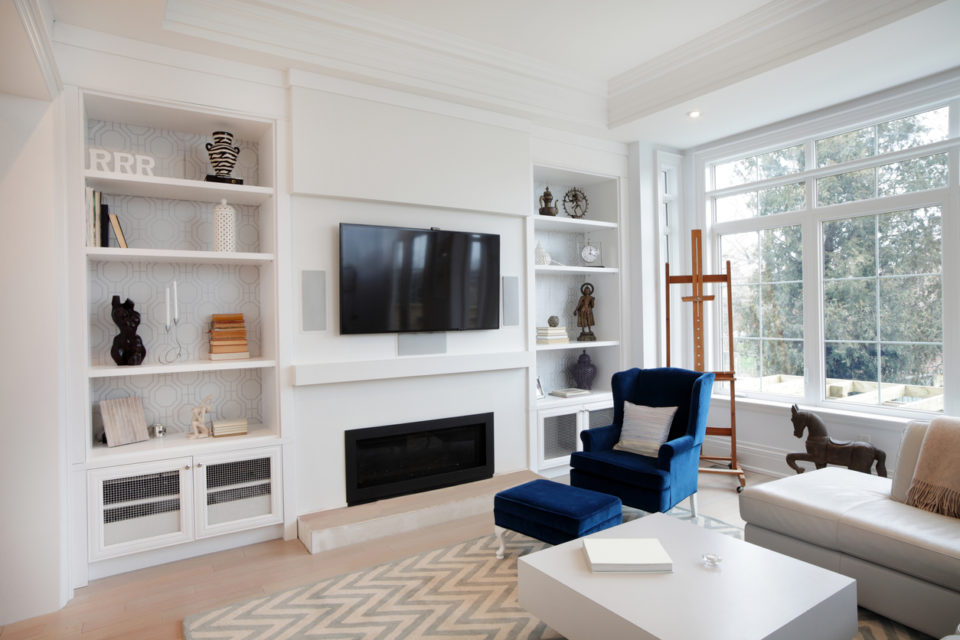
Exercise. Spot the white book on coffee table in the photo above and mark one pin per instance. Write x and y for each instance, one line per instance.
(627, 554)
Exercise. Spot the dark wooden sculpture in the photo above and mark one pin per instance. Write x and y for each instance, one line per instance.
(127, 348)
(823, 450)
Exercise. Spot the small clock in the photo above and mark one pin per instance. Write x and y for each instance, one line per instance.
(590, 253)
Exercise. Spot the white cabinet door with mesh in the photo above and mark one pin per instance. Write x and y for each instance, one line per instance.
(139, 507)
(237, 491)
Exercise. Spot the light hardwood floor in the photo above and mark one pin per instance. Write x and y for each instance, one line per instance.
(151, 603)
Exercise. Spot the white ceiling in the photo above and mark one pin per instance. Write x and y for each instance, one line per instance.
(622, 69)
(599, 38)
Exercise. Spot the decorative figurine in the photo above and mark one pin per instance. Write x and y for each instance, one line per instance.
(198, 426)
(584, 371)
(823, 450)
(223, 157)
(584, 313)
(546, 206)
(541, 257)
(127, 347)
(575, 203)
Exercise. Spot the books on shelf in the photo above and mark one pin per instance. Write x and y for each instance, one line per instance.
(239, 355)
(228, 337)
(117, 231)
(100, 221)
(569, 393)
(552, 335)
(236, 427)
(551, 331)
(627, 554)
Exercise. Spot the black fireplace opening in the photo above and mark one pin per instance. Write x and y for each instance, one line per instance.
(399, 459)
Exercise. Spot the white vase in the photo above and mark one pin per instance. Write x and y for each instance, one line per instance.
(224, 227)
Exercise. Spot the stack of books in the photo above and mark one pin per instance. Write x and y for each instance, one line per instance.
(552, 335)
(569, 393)
(627, 554)
(228, 337)
(236, 427)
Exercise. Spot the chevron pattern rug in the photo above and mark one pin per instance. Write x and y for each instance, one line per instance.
(461, 591)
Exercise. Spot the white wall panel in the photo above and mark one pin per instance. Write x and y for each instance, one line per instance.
(135, 69)
(324, 412)
(316, 224)
(355, 148)
(563, 150)
(30, 395)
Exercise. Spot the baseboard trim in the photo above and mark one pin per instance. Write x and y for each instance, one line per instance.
(752, 457)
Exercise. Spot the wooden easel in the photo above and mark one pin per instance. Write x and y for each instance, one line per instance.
(698, 279)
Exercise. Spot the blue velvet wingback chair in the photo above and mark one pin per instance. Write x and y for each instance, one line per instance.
(651, 484)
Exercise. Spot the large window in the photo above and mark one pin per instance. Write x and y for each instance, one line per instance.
(882, 308)
(836, 245)
(767, 297)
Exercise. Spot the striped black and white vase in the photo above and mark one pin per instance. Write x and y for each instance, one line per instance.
(223, 155)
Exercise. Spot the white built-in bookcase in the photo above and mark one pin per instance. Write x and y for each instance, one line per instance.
(167, 220)
(556, 291)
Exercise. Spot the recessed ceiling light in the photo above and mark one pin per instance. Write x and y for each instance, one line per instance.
(693, 114)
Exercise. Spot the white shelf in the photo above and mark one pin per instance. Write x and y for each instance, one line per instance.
(116, 371)
(551, 402)
(176, 188)
(113, 254)
(573, 225)
(178, 444)
(573, 344)
(553, 269)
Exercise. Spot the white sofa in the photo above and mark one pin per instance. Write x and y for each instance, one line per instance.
(906, 561)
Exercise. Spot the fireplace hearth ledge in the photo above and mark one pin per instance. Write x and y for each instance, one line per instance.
(334, 528)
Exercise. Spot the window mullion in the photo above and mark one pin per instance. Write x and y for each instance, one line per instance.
(813, 362)
(876, 267)
(950, 278)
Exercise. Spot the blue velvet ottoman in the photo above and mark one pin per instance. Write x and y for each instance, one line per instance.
(553, 512)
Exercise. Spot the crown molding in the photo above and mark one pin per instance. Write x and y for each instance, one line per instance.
(904, 99)
(36, 20)
(329, 36)
(773, 35)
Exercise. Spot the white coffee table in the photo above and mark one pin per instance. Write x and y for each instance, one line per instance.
(756, 593)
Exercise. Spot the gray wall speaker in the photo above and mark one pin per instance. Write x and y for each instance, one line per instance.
(419, 344)
(511, 301)
(313, 300)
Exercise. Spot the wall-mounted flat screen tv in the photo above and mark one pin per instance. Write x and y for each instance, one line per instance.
(395, 279)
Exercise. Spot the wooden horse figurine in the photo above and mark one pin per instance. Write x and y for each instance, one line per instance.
(823, 450)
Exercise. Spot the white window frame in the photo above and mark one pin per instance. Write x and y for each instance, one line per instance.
(670, 228)
(918, 98)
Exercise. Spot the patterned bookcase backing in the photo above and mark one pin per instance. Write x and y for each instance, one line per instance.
(177, 154)
(203, 289)
(169, 399)
(182, 225)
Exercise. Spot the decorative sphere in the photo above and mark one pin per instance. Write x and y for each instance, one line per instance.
(553, 321)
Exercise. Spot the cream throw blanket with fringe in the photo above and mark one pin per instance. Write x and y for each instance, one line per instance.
(936, 480)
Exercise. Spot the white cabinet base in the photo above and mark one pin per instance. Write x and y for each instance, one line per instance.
(144, 507)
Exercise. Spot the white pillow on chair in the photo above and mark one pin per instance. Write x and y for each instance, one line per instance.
(644, 428)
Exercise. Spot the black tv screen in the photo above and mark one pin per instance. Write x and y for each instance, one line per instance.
(395, 279)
